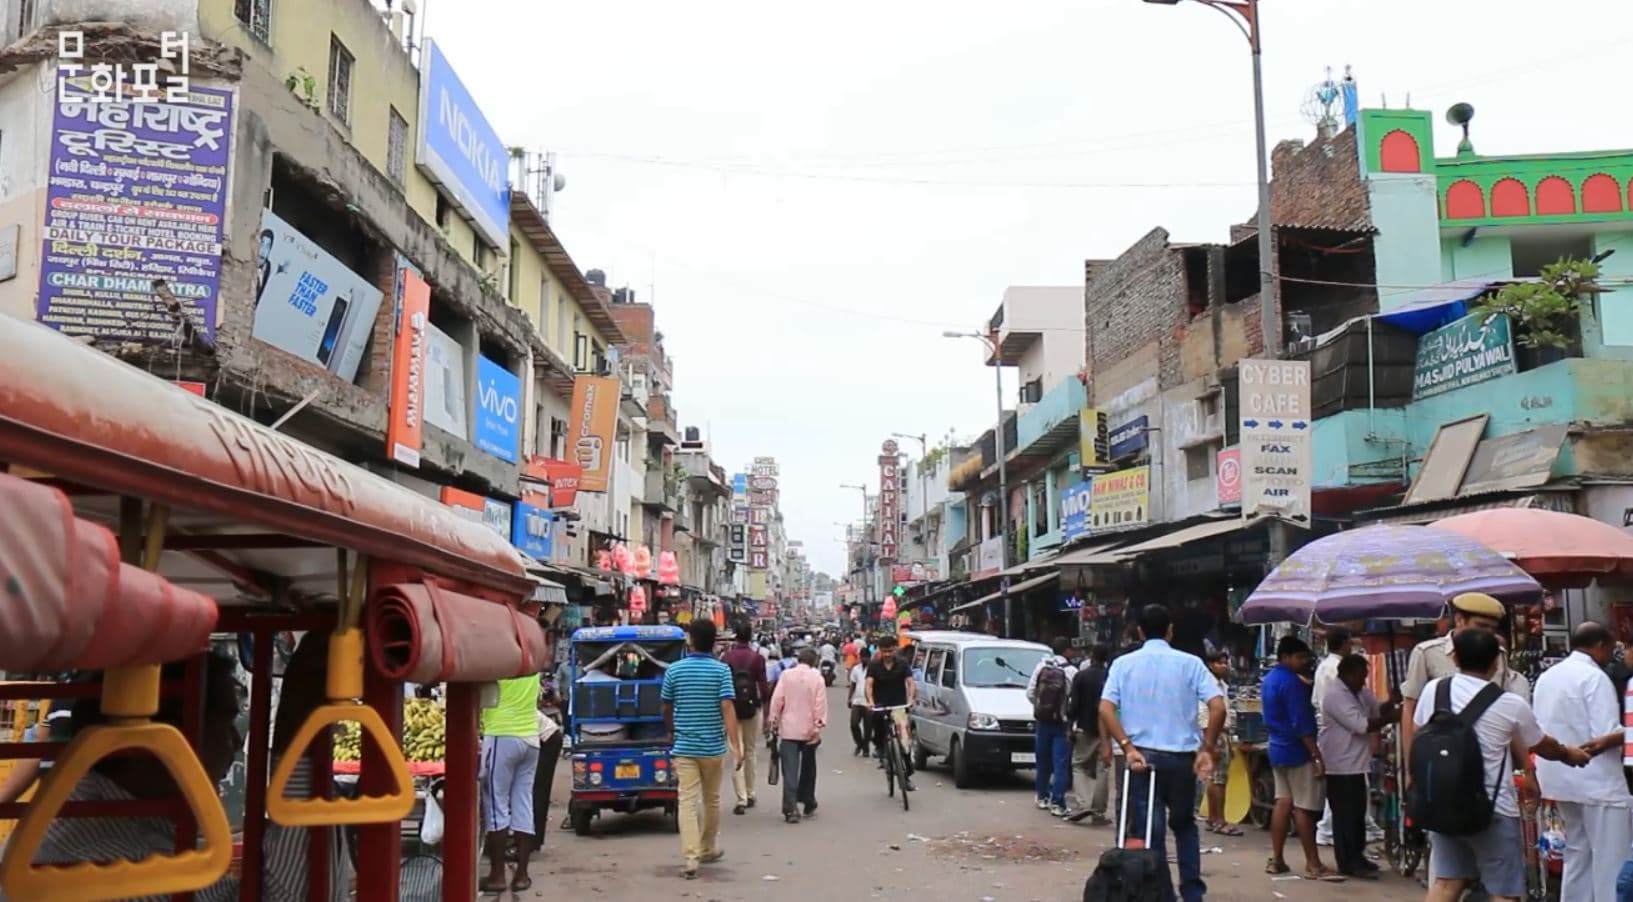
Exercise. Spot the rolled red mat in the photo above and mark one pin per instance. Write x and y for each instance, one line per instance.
(420, 632)
(69, 604)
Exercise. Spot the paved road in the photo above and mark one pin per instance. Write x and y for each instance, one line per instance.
(980, 844)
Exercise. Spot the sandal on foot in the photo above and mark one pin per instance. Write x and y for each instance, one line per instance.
(521, 884)
(1226, 829)
(1326, 875)
(493, 889)
(1274, 867)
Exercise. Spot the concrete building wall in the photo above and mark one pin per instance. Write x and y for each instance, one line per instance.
(1407, 246)
(25, 124)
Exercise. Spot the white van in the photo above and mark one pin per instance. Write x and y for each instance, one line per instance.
(972, 706)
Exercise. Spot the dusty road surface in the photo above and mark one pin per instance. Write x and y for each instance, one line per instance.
(989, 843)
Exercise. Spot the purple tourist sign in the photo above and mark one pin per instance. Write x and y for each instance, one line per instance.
(135, 213)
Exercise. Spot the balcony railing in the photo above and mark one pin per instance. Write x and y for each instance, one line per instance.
(1053, 417)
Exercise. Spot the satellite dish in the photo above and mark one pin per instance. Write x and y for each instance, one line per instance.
(558, 182)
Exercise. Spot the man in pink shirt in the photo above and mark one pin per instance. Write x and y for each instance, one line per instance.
(797, 716)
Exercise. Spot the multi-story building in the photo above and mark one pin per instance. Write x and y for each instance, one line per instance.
(329, 238)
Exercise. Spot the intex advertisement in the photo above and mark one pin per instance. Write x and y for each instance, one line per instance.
(308, 303)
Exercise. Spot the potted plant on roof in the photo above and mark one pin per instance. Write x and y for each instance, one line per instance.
(1546, 313)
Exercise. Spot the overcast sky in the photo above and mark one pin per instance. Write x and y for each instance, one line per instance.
(812, 193)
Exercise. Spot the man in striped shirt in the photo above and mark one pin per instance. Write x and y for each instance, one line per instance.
(697, 709)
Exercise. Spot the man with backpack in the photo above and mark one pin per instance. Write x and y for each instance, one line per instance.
(1470, 736)
(748, 680)
(1047, 690)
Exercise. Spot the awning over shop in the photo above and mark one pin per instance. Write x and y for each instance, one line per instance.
(1088, 555)
(1182, 537)
(1017, 589)
(546, 591)
(1425, 514)
(1431, 308)
(94, 423)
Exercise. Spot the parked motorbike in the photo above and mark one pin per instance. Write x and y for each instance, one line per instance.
(828, 673)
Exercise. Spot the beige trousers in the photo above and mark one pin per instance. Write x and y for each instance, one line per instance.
(699, 805)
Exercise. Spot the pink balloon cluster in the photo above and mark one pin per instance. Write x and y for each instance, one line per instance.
(668, 569)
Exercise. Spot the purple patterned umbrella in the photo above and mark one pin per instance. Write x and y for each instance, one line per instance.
(1386, 573)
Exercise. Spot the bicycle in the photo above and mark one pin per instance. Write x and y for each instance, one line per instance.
(895, 753)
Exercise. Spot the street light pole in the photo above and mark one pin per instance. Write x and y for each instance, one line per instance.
(1244, 14)
(1003, 469)
(862, 542)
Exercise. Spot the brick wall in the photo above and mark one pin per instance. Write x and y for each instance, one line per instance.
(1129, 303)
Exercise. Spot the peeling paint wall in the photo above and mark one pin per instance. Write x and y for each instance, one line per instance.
(149, 15)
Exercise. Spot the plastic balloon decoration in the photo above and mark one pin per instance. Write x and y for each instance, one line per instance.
(637, 601)
(622, 560)
(643, 562)
(668, 569)
(603, 560)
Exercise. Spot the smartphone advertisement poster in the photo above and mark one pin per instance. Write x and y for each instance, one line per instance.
(308, 303)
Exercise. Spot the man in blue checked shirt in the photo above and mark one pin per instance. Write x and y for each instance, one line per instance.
(1148, 708)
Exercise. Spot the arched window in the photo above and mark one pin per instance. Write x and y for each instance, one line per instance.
(1399, 153)
(1555, 197)
(1601, 193)
(1465, 200)
(1509, 198)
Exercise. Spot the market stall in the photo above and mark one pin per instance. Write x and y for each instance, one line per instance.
(1380, 576)
(201, 522)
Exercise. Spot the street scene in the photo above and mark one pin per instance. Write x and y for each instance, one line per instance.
(1118, 450)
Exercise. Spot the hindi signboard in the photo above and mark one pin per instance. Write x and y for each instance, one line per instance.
(1276, 446)
(1473, 349)
(135, 206)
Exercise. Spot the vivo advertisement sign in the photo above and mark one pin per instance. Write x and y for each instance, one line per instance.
(460, 151)
(1074, 511)
(498, 410)
(531, 530)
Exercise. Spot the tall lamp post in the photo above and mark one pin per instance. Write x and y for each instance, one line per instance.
(1003, 469)
(1244, 14)
(862, 541)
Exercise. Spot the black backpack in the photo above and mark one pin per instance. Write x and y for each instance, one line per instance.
(1051, 690)
(746, 690)
(1449, 793)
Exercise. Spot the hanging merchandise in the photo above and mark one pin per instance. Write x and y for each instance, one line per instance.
(643, 562)
(622, 560)
(668, 569)
(603, 560)
(637, 601)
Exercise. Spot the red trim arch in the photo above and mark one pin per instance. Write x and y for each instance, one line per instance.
(1509, 198)
(1465, 200)
(1601, 193)
(1555, 197)
(1398, 152)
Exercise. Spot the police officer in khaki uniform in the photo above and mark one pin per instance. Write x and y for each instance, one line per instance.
(1432, 660)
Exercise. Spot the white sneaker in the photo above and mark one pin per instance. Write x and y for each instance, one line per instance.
(1057, 810)
(1043, 804)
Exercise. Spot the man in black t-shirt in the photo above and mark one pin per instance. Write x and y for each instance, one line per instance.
(889, 684)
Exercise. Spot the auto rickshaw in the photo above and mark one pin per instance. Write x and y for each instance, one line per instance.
(615, 719)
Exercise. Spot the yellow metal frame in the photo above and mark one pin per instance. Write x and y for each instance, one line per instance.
(344, 688)
(130, 698)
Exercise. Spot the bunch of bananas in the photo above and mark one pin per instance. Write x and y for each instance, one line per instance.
(424, 730)
(424, 734)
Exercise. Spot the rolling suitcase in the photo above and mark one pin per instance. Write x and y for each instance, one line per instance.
(1133, 871)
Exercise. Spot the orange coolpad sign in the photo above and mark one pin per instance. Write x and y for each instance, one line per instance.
(590, 435)
(405, 426)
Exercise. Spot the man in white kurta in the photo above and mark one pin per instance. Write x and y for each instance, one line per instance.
(1577, 704)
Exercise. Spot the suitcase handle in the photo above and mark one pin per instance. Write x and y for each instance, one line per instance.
(1150, 806)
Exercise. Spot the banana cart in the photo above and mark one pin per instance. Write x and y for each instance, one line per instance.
(144, 521)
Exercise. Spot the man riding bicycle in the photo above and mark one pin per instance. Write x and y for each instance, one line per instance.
(890, 685)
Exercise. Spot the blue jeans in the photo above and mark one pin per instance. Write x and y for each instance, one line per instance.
(1624, 883)
(1176, 810)
(1054, 768)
